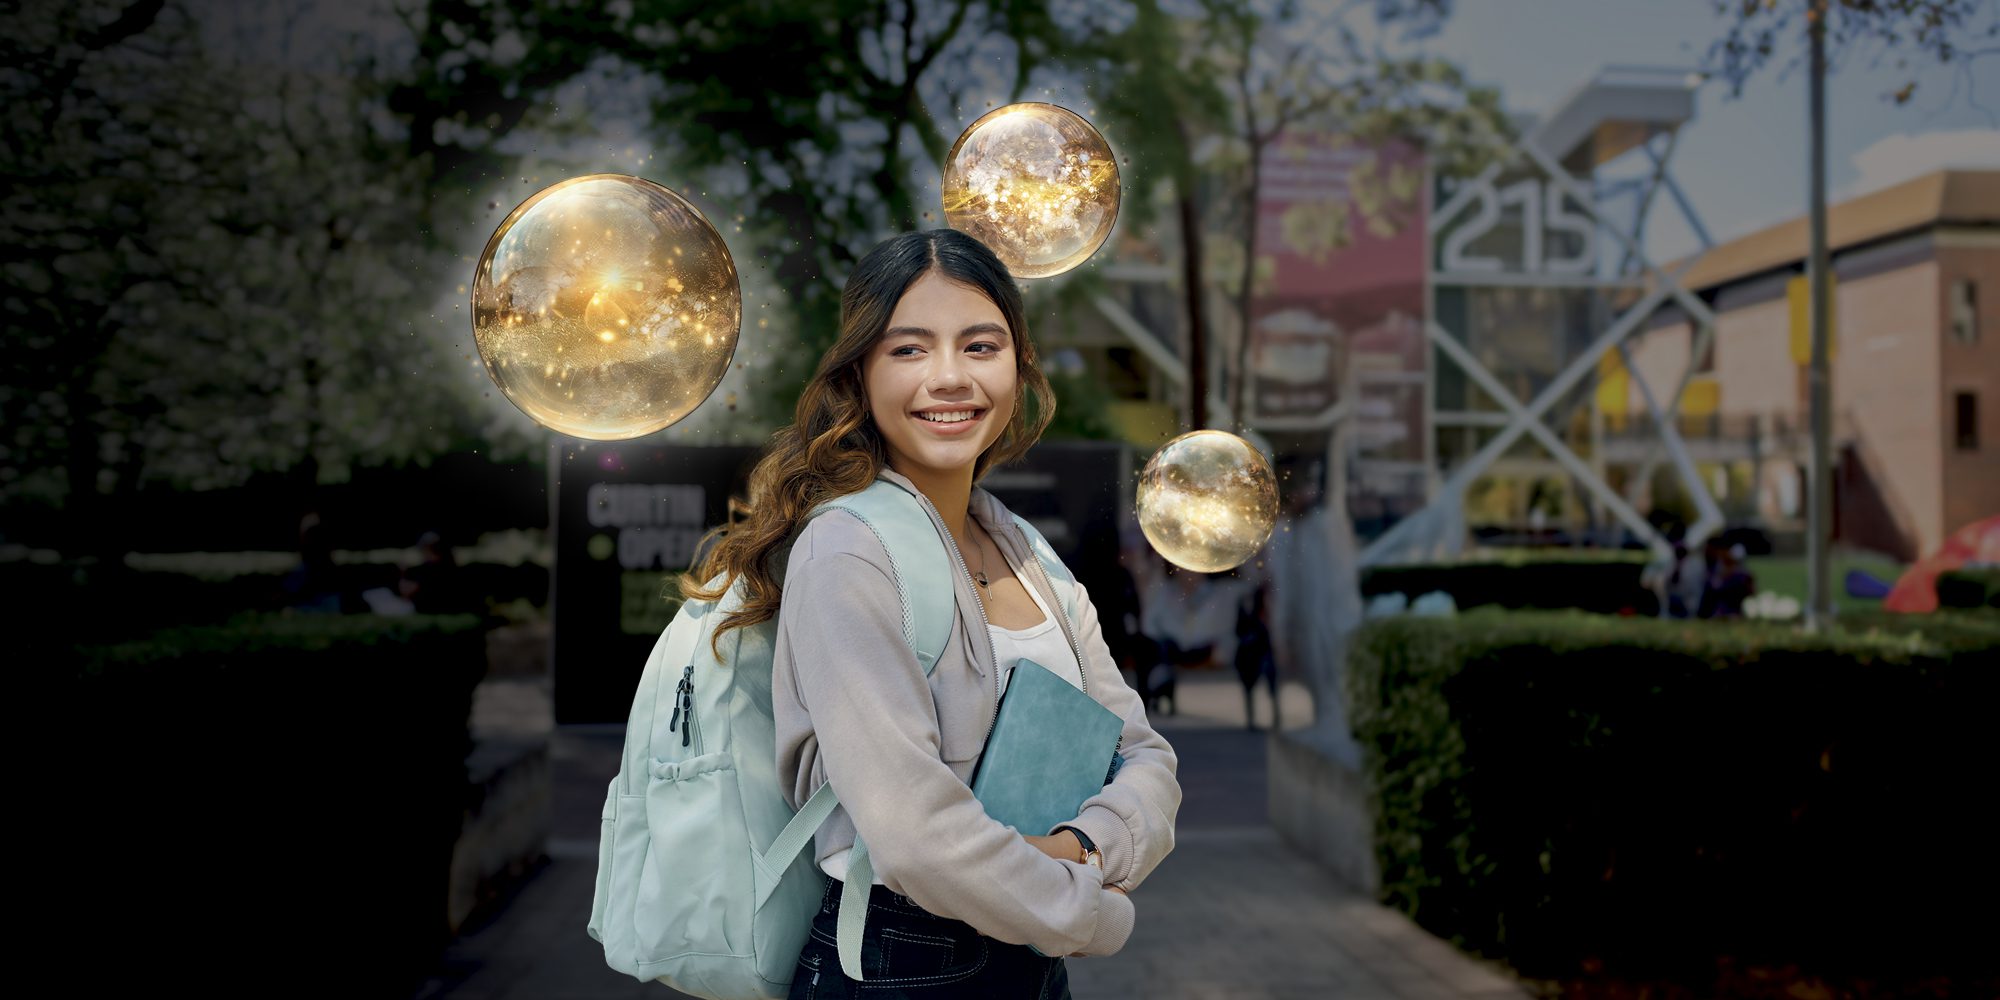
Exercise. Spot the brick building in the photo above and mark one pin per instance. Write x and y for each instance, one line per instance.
(1915, 368)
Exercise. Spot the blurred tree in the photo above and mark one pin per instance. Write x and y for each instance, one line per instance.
(1207, 87)
(1308, 68)
(1161, 97)
(206, 261)
(1082, 410)
(1947, 32)
(1200, 90)
(823, 118)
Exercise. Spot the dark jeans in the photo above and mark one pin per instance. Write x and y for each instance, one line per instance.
(907, 951)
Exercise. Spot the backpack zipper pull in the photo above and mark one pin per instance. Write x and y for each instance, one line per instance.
(687, 700)
(681, 691)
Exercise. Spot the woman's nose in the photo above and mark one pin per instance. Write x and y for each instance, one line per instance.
(947, 373)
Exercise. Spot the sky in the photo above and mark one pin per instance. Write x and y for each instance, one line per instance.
(1742, 161)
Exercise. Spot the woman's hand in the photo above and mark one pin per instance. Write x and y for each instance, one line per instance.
(1060, 846)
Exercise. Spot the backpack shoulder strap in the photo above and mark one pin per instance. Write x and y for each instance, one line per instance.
(917, 555)
(1052, 564)
(922, 568)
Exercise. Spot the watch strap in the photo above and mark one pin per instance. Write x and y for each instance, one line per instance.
(1089, 848)
(1081, 837)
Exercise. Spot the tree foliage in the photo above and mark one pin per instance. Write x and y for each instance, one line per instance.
(825, 121)
(229, 232)
(208, 264)
(1209, 86)
(1947, 32)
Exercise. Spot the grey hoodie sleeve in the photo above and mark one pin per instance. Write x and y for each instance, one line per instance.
(1132, 820)
(843, 671)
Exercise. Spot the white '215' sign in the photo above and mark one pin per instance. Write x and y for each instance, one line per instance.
(1541, 208)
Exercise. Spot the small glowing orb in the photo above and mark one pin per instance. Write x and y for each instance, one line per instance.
(1034, 182)
(606, 307)
(1207, 501)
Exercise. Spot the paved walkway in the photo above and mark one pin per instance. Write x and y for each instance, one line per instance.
(1231, 914)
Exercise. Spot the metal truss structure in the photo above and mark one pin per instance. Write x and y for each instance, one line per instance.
(1547, 203)
(1620, 110)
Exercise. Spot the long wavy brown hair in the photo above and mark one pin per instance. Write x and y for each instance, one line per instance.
(832, 447)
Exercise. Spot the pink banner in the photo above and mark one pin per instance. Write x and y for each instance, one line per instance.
(1340, 283)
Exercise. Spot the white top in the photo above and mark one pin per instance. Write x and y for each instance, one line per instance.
(1042, 642)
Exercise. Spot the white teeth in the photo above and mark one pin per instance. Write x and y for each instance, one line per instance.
(949, 418)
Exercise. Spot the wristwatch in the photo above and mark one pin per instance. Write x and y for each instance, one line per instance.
(1091, 855)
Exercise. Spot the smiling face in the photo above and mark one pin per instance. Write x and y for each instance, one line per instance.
(941, 382)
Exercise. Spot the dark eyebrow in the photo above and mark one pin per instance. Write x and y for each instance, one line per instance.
(926, 334)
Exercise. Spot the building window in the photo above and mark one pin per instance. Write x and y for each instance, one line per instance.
(1967, 422)
(1705, 364)
(1965, 311)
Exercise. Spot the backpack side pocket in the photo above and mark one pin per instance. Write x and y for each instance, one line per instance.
(600, 898)
(623, 855)
(695, 888)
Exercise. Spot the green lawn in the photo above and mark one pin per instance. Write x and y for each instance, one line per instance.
(1787, 575)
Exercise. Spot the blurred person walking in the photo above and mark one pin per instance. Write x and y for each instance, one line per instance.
(1254, 658)
(314, 585)
(1729, 585)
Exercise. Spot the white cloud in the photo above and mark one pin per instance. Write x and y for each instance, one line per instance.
(1893, 159)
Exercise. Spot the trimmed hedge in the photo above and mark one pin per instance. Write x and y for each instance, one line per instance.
(1969, 588)
(1607, 585)
(1556, 788)
(125, 603)
(271, 800)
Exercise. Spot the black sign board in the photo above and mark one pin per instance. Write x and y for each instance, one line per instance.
(629, 517)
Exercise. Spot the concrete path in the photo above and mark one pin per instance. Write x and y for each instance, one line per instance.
(1231, 914)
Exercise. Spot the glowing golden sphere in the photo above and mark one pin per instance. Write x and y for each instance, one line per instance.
(1207, 501)
(606, 307)
(1034, 182)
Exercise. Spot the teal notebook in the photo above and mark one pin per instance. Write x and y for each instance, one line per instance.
(1049, 750)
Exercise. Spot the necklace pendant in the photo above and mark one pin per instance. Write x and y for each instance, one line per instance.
(981, 577)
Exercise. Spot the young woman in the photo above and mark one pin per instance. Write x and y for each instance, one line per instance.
(932, 383)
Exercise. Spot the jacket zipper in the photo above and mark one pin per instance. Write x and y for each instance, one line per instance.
(965, 573)
(993, 654)
(1069, 631)
(1055, 604)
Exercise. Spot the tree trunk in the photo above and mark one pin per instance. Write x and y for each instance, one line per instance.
(1197, 354)
(1239, 376)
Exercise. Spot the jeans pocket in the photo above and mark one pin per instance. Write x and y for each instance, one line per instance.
(906, 954)
(1055, 982)
(809, 980)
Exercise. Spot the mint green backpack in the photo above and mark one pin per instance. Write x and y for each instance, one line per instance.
(703, 882)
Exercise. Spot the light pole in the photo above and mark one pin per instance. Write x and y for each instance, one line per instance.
(1819, 517)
